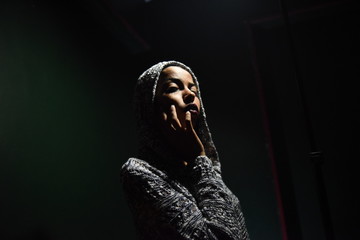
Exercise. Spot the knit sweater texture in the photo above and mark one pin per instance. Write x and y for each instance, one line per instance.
(168, 199)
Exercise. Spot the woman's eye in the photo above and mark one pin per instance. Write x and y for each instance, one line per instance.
(194, 91)
(171, 89)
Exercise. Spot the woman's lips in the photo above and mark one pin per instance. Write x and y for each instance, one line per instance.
(192, 111)
(192, 108)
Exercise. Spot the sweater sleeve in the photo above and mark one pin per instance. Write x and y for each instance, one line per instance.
(217, 203)
(162, 210)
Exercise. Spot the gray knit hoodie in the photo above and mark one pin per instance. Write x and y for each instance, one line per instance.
(167, 199)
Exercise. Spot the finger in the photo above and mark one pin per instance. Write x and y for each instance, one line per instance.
(173, 118)
(188, 122)
(164, 116)
(189, 126)
(167, 123)
(198, 147)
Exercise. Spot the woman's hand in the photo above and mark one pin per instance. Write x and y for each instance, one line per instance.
(182, 137)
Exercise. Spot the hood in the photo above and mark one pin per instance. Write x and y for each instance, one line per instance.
(150, 141)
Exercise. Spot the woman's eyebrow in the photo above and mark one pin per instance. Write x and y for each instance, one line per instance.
(175, 80)
(192, 85)
(178, 81)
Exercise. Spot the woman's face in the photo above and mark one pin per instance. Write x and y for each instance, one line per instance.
(177, 87)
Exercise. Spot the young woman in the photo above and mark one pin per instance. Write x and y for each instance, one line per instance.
(174, 186)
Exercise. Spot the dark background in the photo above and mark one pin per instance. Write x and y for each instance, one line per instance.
(67, 73)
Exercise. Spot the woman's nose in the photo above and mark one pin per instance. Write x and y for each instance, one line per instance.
(189, 96)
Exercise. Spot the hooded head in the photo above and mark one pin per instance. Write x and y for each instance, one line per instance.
(150, 139)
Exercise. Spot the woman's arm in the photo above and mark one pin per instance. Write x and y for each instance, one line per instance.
(216, 202)
(163, 209)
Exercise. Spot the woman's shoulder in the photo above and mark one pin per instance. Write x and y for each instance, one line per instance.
(138, 167)
(135, 165)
